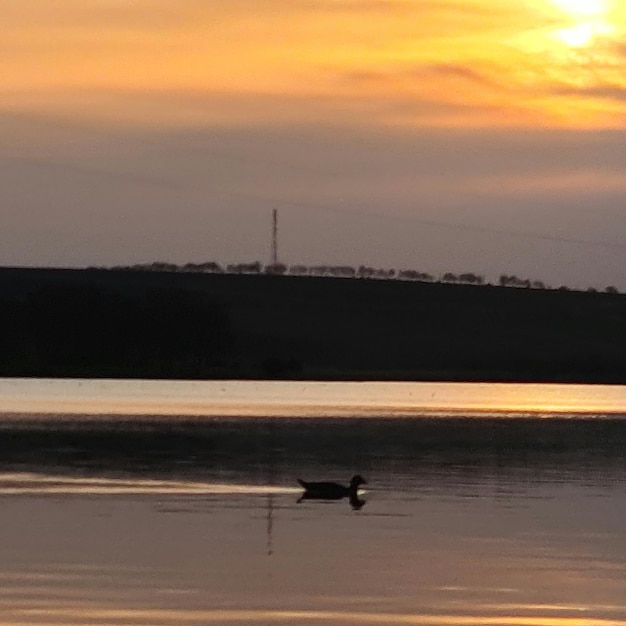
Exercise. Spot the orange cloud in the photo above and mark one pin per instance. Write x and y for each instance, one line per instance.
(376, 62)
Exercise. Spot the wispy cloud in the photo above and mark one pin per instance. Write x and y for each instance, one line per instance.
(616, 93)
(429, 71)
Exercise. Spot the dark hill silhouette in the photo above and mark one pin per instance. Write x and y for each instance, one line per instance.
(97, 323)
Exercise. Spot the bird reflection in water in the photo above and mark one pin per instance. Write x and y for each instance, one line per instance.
(334, 491)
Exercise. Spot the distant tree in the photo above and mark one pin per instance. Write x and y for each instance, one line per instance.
(318, 270)
(514, 281)
(383, 274)
(208, 266)
(159, 266)
(276, 269)
(611, 289)
(365, 271)
(211, 266)
(408, 275)
(299, 270)
(244, 268)
(471, 278)
(342, 271)
(510, 280)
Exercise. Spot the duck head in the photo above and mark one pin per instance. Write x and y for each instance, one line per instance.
(356, 481)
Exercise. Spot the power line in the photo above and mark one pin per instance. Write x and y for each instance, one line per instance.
(448, 225)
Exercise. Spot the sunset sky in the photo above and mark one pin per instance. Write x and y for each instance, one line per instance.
(441, 135)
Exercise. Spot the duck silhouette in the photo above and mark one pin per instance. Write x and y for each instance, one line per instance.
(334, 491)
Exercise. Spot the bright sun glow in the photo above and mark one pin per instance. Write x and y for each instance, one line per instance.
(590, 21)
(588, 8)
(582, 34)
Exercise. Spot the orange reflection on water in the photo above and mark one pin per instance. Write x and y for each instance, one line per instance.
(82, 616)
(301, 398)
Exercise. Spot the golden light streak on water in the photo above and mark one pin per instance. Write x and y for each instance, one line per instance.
(36, 484)
(300, 399)
(83, 616)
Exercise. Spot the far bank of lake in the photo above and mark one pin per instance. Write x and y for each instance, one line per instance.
(163, 325)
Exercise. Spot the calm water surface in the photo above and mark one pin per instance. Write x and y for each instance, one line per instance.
(297, 399)
(175, 503)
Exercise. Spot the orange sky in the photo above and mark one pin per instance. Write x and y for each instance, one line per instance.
(382, 62)
(441, 135)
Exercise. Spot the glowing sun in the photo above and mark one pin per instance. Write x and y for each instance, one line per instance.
(588, 21)
(582, 34)
(583, 8)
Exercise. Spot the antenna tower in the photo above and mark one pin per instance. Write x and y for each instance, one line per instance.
(274, 237)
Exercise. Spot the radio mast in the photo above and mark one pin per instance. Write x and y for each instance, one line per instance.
(274, 237)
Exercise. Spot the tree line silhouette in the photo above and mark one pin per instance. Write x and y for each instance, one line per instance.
(346, 271)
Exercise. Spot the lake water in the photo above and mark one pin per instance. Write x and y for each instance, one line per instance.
(135, 503)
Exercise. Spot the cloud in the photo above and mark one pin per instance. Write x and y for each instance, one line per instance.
(431, 71)
(453, 71)
(354, 62)
(615, 93)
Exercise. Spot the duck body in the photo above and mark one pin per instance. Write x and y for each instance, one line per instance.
(323, 490)
(329, 490)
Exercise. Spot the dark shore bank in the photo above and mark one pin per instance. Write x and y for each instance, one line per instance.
(134, 324)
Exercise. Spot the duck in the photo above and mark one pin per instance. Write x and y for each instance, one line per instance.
(331, 491)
